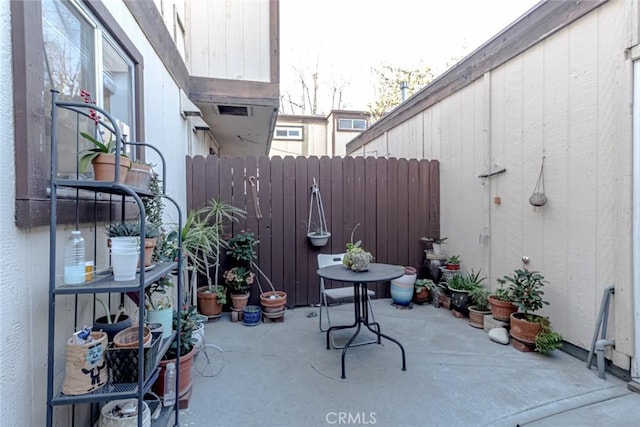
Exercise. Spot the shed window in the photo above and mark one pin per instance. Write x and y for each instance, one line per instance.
(352, 124)
(289, 132)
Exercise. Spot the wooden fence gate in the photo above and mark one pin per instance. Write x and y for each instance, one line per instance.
(395, 201)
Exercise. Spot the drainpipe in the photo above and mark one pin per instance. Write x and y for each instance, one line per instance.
(600, 346)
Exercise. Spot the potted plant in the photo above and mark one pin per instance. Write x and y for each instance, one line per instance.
(139, 175)
(460, 285)
(422, 289)
(241, 247)
(318, 234)
(238, 280)
(251, 315)
(436, 243)
(501, 303)
(154, 215)
(479, 306)
(526, 287)
(160, 310)
(182, 355)
(103, 158)
(273, 302)
(356, 258)
(132, 229)
(203, 238)
(453, 262)
(111, 324)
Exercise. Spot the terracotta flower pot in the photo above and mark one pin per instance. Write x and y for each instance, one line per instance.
(208, 302)
(139, 176)
(239, 301)
(269, 304)
(104, 167)
(421, 296)
(476, 317)
(523, 330)
(184, 382)
(501, 310)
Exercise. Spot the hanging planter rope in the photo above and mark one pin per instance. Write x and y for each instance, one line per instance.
(538, 198)
(317, 232)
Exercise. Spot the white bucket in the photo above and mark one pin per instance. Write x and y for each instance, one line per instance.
(124, 264)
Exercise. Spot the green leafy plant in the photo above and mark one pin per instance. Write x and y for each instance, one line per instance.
(160, 286)
(454, 260)
(100, 147)
(504, 293)
(130, 228)
(239, 279)
(462, 282)
(421, 284)
(187, 323)
(241, 246)
(479, 298)
(526, 289)
(547, 339)
(436, 240)
(217, 213)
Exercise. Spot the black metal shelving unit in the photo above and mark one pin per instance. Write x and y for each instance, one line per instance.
(103, 280)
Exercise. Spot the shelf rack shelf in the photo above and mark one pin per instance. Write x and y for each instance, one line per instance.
(103, 280)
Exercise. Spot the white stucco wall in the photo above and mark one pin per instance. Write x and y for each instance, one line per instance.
(24, 254)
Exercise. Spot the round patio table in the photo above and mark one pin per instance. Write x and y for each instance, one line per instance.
(376, 272)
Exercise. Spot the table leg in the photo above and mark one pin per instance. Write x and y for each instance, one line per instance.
(358, 318)
(361, 306)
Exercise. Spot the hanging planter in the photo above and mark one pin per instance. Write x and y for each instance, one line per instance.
(538, 198)
(317, 231)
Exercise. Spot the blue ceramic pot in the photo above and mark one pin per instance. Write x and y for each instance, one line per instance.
(401, 295)
(251, 315)
(402, 287)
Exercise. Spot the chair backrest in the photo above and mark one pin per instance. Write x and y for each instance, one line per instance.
(325, 260)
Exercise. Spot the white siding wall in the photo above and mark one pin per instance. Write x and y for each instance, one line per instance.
(24, 253)
(15, 273)
(229, 39)
(568, 99)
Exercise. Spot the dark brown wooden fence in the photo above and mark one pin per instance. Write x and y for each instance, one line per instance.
(395, 201)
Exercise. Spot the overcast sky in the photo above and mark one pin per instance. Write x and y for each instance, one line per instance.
(349, 37)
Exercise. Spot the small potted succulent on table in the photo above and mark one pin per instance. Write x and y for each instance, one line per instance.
(356, 258)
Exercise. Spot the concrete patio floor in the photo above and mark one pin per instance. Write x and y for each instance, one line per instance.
(282, 375)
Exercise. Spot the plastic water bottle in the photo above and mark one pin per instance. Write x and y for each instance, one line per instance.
(74, 265)
(170, 385)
